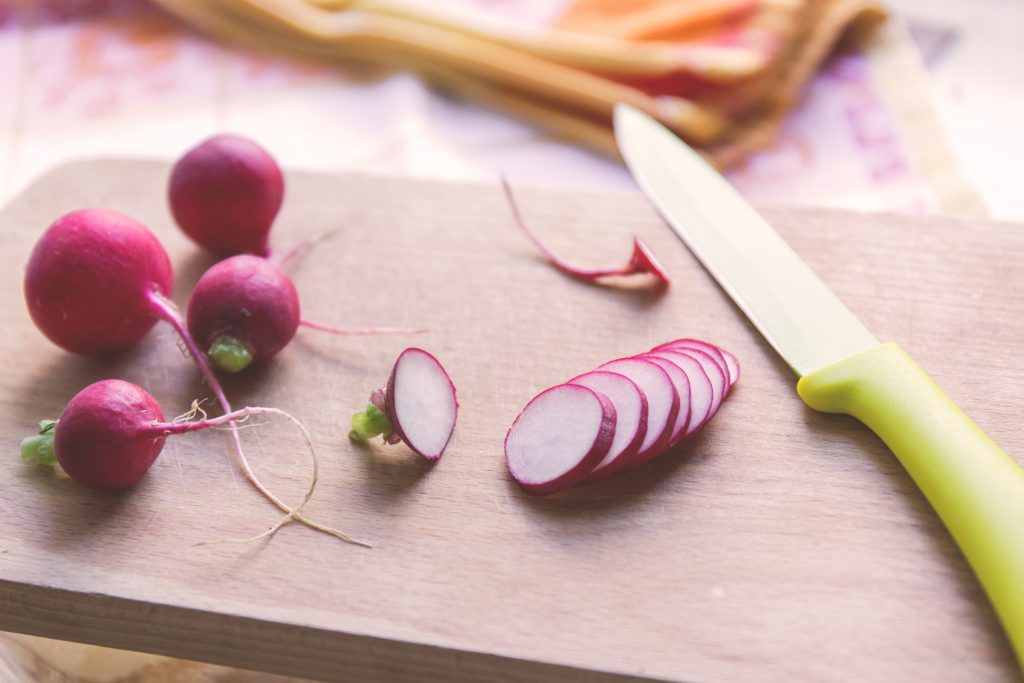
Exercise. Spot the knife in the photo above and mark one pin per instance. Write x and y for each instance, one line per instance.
(974, 486)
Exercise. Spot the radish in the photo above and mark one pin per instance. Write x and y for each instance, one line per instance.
(112, 431)
(663, 403)
(641, 261)
(245, 309)
(91, 280)
(701, 392)
(732, 364)
(630, 418)
(560, 436)
(97, 281)
(418, 406)
(716, 354)
(682, 386)
(715, 373)
(225, 194)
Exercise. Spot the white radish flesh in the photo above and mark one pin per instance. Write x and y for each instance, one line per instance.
(421, 403)
(719, 383)
(701, 390)
(710, 349)
(662, 402)
(630, 418)
(682, 385)
(558, 439)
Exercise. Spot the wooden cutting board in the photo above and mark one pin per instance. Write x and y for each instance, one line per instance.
(780, 545)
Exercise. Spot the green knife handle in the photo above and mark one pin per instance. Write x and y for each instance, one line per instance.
(974, 486)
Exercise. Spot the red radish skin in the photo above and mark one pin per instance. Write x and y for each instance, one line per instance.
(225, 194)
(558, 438)
(105, 437)
(90, 280)
(701, 394)
(421, 403)
(682, 386)
(710, 349)
(243, 310)
(662, 403)
(642, 261)
(630, 418)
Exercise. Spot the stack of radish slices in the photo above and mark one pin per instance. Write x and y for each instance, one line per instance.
(620, 416)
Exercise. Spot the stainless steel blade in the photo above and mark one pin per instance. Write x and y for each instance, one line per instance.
(799, 316)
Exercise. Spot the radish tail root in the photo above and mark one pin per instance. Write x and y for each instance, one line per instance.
(167, 311)
(360, 331)
(304, 247)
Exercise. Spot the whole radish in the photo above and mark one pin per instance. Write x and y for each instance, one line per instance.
(225, 194)
(243, 310)
(97, 281)
(111, 432)
(92, 280)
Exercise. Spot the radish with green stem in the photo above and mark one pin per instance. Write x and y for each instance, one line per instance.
(111, 432)
(245, 309)
(559, 437)
(642, 260)
(225, 193)
(418, 406)
(97, 281)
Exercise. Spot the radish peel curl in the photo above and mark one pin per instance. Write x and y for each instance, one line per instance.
(642, 260)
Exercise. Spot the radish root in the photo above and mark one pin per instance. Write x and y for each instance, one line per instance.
(360, 331)
(167, 311)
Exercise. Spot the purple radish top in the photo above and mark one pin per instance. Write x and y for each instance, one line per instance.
(421, 403)
(559, 437)
(90, 279)
(630, 417)
(225, 194)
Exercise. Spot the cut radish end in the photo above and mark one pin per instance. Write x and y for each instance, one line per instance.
(682, 385)
(630, 418)
(641, 261)
(421, 403)
(560, 436)
(733, 364)
(701, 390)
(710, 349)
(662, 402)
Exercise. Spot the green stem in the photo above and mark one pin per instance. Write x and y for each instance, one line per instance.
(39, 447)
(369, 423)
(229, 354)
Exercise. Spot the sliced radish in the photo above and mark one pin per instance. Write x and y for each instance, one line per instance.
(558, 439)
(420, 403)
(662, 402)
(630, 418)
(682, 385)
(710, 349)
(716, 374)
(701, 390)
(733, 364)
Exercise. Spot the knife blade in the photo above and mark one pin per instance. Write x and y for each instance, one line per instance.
(974, 486)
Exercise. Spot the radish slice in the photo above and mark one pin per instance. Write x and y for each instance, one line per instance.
(710, 349)
(641, 261)
(719, 383)
(630, 418)
(560, 436)
(733, 364)
(662, 402)
(421, 403)
(701, 389)
(682, 385)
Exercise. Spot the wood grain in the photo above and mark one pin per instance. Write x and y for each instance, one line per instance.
(780, 545)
